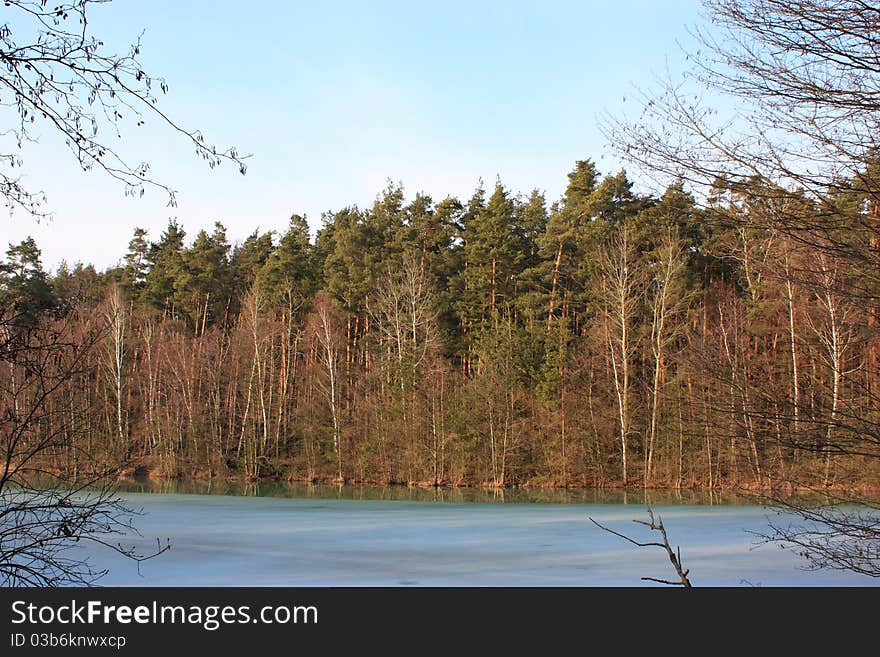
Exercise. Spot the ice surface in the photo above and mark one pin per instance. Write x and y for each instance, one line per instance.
(222, 540)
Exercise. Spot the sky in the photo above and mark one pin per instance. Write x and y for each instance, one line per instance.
(333, 99)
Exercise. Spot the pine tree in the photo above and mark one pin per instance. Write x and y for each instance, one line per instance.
(165, 260)
(80, 284)
(203, 289)
(249, 257)
(24, 285)
(291, 267)
(563, 241)
(134, 271)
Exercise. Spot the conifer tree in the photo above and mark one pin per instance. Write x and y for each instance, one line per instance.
(24, 285)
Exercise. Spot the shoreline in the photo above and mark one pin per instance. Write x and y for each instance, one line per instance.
(274, 486)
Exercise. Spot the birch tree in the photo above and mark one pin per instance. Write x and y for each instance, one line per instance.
(325, 330)
(621, 288)
(117, 321)
(666, 305)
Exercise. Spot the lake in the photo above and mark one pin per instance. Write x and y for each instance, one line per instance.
(400, 537)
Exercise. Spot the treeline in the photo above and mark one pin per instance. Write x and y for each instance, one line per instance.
(606, 338)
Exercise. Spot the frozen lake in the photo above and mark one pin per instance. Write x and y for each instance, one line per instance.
(227, 540)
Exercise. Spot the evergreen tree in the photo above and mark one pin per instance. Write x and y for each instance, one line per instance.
(291, 267)
(347, 272)
(24, 285)
(80, 284)
(165, 262)
(564, 242)
(203, 289)
(446, 265)
(137, 261)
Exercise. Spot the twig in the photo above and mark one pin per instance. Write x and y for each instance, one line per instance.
(674, 555)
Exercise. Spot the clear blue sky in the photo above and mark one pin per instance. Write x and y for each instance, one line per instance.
(334, 98)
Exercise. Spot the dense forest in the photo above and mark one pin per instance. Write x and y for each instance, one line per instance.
(605, 338)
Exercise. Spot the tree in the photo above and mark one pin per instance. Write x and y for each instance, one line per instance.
(667, 304)
(805, 78)
(165, 260)
(250, 256)
(54, 491)
(797, 160)
(565, 227)
(78, 284)
(325, 330)
(494, 255)
(291, 265)
(203, 288)
(24, 286)
(117, 319)
(403, 311)
(622, 287)
(56, 75)
(136, 268)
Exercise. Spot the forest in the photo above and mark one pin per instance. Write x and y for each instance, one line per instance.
(606, 338)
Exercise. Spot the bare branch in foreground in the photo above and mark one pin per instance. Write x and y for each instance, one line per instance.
(674, 555)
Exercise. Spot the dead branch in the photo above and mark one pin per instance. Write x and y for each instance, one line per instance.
(674, 555)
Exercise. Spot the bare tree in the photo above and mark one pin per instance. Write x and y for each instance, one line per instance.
(835, 535)
(253, 309)
(667, 304)
(51, 501)
(802, 80)
(55, 74)
(404, 312)
(58, 78)
(792, 338)
(835, 336)
(325, 330)
(117, 321)
(622, 284)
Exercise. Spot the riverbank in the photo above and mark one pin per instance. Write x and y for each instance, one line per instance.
(463, 494)
(151, 474)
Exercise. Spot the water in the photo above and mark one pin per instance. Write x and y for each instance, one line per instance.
(226, 540)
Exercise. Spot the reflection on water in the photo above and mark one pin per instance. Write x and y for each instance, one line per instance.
(455, 495)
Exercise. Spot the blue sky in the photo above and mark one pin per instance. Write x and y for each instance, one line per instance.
(335, 98)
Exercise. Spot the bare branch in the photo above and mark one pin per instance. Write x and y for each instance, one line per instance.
(674, 555)
(55, 74)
